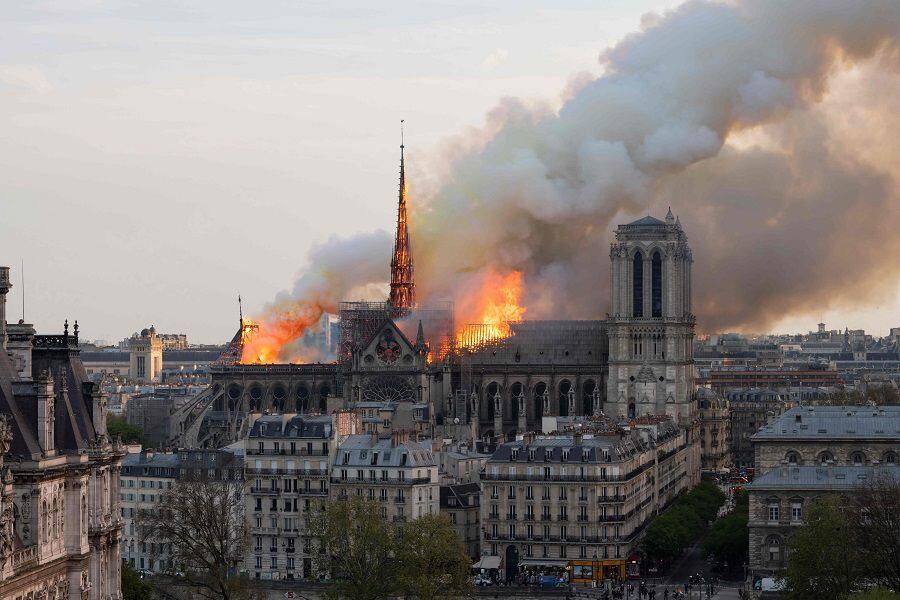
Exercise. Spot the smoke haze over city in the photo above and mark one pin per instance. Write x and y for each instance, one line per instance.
(766, 126)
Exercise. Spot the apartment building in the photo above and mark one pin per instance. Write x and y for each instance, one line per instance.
(400, 473)
(144, 479)
(581, 495)
(286, 468)
(462, 503)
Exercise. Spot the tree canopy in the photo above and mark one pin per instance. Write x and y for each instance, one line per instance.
(131, 434)
(133, 587)
(676, 527)
(728, 540)
(202, 522)
(368, 558)
(844, 549)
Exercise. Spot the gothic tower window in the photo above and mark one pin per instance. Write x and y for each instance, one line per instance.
(656, 286)
(637, 285)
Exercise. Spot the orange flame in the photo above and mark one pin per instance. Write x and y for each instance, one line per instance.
(267, 344)
(496, 305)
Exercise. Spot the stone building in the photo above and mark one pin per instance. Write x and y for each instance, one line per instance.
(145, 477)
(400, 473)
(807, 452)
(462, 503)
(780, 497)
(286, 468)
(145, 356)
(715, 431)
(837, 435)
(60, 524)
(650, 324)
(586, 493)
(749, 411)
(473, 383)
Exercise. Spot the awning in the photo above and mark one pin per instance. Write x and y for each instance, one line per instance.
(487, 562)
(543, 562)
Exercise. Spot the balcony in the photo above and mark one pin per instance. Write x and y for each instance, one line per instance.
(399, 519)
(286, 452)
(379, 482)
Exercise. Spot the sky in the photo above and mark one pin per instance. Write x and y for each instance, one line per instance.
(158, 158)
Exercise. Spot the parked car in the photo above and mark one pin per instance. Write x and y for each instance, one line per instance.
(551, 581)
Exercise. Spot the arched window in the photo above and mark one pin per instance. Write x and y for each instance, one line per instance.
(825, 457)
(656, 285)
(324, 392)
(637, 285)
(773, 549)
(493, 389)
(587, 394)
(302, 398)
(540, 389)
(515, 391)
(889, 458)
(858, 458)
(564, 386)
(793, 458)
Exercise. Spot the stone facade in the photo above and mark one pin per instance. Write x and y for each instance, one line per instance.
(287, 462)
(145, 356)
(650, 324)
(481, 387)
(144, 477)
(837, 435)
(60, 522)
(462, 503)
(549, 499)
(810, 451)
(715, 432)
(749, 411)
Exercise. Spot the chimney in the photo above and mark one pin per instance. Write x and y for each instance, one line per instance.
(395, 439)
(374, 437)
(5, 286)
(577, 438)
(46, 409)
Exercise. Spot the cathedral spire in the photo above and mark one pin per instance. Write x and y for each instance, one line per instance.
(403, 288)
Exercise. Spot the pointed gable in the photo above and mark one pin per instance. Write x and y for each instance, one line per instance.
(388, 347)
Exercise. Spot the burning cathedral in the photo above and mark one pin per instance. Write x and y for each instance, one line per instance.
(406, 362)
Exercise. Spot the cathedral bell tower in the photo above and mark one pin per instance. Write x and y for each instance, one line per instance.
(650, 324)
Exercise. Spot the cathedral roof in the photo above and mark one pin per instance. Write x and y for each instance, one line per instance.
(648, 220)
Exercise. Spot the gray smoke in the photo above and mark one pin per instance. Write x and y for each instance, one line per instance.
(721, 110)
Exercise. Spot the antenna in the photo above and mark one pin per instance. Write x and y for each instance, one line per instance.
(22, 271)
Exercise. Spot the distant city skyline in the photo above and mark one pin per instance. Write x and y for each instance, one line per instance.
(159, 160)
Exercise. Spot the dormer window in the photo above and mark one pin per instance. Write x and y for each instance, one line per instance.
(515, 454)
(531, 454)
(565, 455)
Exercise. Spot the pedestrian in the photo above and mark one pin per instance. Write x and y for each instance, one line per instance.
(666, 593)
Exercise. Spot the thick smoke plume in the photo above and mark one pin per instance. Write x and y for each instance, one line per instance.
(724, 111)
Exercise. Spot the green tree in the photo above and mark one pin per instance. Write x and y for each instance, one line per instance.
(432, 561)
(822, 556)
(728, 540)
(133, 587)
(131, 434)
(675, 528)
(357, 549)
(876, 594)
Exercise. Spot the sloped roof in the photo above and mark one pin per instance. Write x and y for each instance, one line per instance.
(648, 220)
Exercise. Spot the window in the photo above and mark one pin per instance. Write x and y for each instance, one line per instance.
(773, 547)
(826, 457)
(889, 458)
(796, 512)
(637, 285)
(858, 458)
(656, 286)
(773, 511)
(793, 458)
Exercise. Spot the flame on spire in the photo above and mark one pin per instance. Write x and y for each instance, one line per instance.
(403, 288)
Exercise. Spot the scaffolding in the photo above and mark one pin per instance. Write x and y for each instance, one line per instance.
(359, 321)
